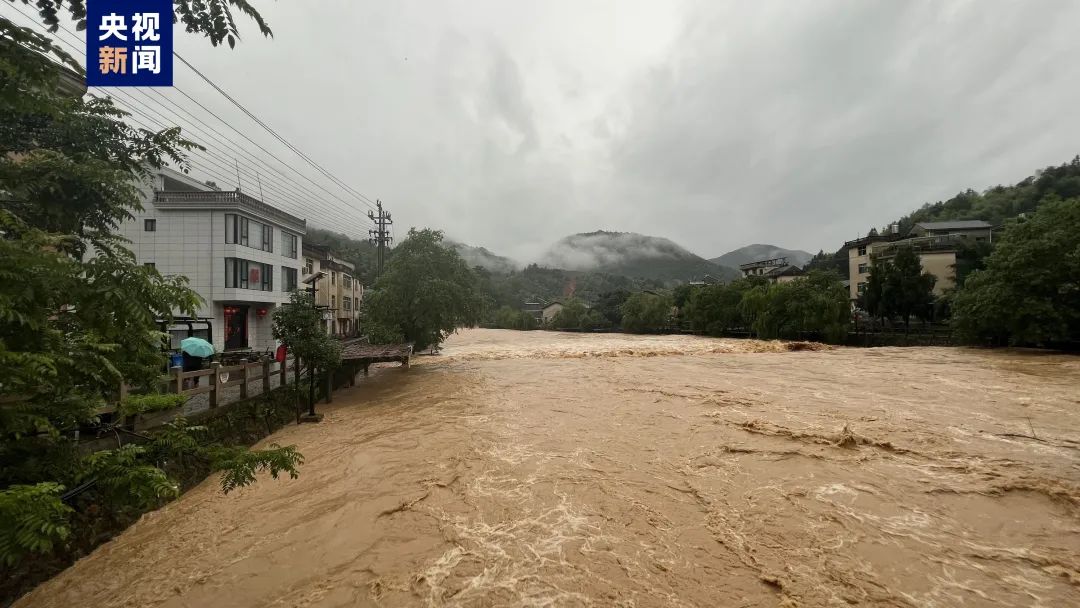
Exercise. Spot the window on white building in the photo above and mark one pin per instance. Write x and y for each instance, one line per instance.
(150, 225)
(267, 238)
(288, 278)
(333, 302)
(864, 268)
(333, 278)
(346, 303)
(288, 245)
(245, 274)
(239, 229)
(309, 266)
(346, 280)
(862, 250)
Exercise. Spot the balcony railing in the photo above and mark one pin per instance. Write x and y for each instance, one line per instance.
(193, 199)
(924, 244)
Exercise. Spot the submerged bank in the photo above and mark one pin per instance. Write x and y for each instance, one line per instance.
(538, 468)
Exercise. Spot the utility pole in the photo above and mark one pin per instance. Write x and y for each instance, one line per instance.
(380, 236)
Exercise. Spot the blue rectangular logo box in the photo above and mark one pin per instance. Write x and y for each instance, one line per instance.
(129, 43)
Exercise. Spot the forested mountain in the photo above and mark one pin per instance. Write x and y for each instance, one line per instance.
(535, 283)
(756, 252)
(997, 204)
(361, 254)
(632, 255)
(482, 257)
(994, 205)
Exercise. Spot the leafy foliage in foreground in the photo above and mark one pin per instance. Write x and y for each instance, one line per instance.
(127, 478)
(239, 466)
(78, 314)
(35, 520)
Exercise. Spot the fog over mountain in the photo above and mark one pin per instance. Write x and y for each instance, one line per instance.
(756, 252)
(482, 257)
(631, 254)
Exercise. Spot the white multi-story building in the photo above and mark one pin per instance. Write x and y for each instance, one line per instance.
(240, 254)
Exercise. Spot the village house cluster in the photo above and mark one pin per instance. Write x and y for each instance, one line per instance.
(242, 256)
(936, 244)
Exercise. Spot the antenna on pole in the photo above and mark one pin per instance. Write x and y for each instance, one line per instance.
(238, 186)
(259, 181)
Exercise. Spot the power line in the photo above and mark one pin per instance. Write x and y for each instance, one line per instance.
(276, 183)
(294, 190)
(271, 131)
(348, 207)
(218, 161)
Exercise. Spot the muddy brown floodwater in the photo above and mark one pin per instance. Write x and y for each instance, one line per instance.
(546, 469)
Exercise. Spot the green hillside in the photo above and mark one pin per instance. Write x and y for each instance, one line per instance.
(997, 204)
(994, 205)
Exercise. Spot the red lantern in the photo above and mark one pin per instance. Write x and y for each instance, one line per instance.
(261, 312)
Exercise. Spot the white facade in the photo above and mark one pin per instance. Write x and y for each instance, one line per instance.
(182, 231)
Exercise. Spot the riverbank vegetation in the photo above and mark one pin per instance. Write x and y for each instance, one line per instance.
(1019, 289)
(1029, 290)
(78, 315)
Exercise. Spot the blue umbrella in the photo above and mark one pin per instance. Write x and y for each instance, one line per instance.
(196, 347)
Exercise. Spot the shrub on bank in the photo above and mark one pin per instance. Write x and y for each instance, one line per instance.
(812, 305)
(44, 529)
(511, 318)
(152, 402)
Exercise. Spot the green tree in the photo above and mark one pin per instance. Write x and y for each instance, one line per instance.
(571, 316)
(594, 320)
(814, 305)
(646, 312)
(715, 309)
(1029, 292)
(908, 291)
(609, 305)
(872, 299)
(507, 317)
(78, 315)
(298, 325)
(425, 294)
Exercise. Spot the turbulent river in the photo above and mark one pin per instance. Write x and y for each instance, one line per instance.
(549, 469)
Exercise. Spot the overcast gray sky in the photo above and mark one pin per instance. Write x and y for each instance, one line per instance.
(715, 124)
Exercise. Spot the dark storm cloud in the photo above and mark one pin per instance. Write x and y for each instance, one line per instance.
(716, 125)
(811, 122)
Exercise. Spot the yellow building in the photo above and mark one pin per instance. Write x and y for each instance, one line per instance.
(935, 243)
(337, 290)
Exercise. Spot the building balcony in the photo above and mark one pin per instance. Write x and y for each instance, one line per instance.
(922, 244)
(217, 200)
